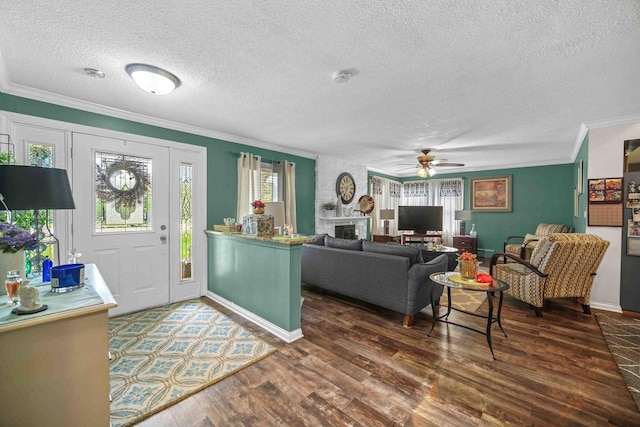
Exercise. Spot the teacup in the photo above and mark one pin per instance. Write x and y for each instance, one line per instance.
(229, 222)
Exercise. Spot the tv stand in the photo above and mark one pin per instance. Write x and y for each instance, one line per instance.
(421, 236)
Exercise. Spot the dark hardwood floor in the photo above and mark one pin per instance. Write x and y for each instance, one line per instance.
(357, 365)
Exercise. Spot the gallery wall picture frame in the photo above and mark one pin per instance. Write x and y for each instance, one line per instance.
(605, 190)
(492, 194)
(605, 202)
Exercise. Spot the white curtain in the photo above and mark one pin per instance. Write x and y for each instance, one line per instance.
(289, 176)
(448, 193)
(249, 188)
(386, 194)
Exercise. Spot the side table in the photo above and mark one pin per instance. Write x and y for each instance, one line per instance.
(466, 244)
(384, 238)
(444, 279)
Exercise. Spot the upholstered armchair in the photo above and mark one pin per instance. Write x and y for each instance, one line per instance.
(563, 265)
(523, 246)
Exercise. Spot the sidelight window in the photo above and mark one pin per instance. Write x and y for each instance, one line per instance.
(186, 221)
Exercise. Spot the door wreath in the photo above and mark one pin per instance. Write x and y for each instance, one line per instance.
(123, 182)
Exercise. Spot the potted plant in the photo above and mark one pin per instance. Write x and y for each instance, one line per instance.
(329, 206)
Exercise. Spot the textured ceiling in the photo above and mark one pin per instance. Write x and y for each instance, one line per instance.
(491, 84)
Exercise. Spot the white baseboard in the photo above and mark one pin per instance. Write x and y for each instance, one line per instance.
(606, 307)
(287, 336)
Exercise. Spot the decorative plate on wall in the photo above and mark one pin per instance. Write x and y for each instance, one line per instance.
(366, 204)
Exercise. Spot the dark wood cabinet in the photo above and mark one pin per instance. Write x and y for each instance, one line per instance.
(384, 238)
(465, 244)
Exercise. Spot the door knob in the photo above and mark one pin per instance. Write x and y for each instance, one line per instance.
(163, 239)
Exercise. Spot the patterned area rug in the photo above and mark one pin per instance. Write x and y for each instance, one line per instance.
(162, 355)
(623, 338)
(464, 300)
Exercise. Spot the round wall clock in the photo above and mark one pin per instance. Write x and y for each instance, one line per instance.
(345, 187)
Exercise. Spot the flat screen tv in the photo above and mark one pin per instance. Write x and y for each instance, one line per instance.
(420, 219)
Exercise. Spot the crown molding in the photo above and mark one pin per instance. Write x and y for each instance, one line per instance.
(582, 134)
(617, 121)
(65, 101)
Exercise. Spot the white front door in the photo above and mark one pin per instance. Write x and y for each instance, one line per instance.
(121, 220)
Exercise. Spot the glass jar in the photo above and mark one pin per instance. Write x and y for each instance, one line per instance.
(12, 285)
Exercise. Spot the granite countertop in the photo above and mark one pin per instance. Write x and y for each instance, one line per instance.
(282, 240)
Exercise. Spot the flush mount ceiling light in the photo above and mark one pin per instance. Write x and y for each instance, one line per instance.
(153, 79)
(341, 76)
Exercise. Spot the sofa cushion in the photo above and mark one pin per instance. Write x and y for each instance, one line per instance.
(317, 239)
(335, 242)
(414, 254)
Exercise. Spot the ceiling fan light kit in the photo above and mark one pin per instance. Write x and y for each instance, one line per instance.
(428, 161)
(153, 79)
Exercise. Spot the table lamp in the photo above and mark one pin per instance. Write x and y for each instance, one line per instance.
(386, 215)
(35, 188)
(462, 216)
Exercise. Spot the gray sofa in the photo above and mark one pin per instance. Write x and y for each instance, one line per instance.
(387, 275)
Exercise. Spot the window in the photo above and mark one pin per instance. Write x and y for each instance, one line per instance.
(269, 183)
(40, 155)
(186, 221)
(123, 193)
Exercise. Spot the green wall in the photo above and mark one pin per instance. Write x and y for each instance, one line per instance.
(221, 157)
(540, 194)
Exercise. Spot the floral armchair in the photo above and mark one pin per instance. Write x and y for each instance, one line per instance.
(563, 265)
(523, 246)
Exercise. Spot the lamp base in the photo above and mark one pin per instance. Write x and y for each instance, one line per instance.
(386, 226)
(463, 228)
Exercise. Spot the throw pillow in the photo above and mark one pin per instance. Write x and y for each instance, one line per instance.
(335, 242)
(531, 237)
(318, 239)
(414, 254)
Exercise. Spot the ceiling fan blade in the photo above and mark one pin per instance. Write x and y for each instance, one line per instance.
(437, 162)
(404, 169)
(449, 164)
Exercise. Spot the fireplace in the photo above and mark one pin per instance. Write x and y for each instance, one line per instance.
(346, 231)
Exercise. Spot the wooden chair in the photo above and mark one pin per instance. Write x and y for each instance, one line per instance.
(563, 265)
(527, 243)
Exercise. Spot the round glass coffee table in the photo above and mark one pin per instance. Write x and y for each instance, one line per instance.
(452, 279)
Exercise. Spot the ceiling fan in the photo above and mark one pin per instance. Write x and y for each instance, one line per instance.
(428, 161)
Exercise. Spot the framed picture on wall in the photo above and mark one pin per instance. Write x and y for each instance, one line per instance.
(491, 194)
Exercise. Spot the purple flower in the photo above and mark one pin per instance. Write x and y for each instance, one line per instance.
(13, 238)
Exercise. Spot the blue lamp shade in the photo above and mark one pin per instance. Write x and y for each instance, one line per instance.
(31, 187)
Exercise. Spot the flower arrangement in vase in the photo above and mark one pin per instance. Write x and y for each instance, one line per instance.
(468, 265)
(13, 239)
(258, 206)
(13, 242)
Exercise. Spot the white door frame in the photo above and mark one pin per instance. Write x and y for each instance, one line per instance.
(193, 154)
